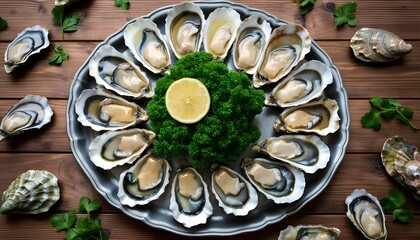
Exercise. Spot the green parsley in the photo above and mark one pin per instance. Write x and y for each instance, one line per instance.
(67, 21)
(394, 203)
(3, 24)
(82, 227)
(122, 4)
(59, 56)
(345, 14)
(388, 109)
(306, 5)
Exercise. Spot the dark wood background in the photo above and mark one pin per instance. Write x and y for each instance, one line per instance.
(49, 147)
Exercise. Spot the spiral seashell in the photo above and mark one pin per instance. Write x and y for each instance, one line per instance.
(377, 45)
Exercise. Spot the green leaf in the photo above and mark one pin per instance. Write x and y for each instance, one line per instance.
(345, 14)
(394, 103)
(376, 101)
(87, 205)
(396, 197)
(58, 15)
(63, 221)
(59, 56)
(371, 119)
(70, 22)
(306, 6)
(407, 112)
(122, 4)
(3, 24)
(403, 215)
(387, 204)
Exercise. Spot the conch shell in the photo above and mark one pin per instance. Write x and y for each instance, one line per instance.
(377, 45)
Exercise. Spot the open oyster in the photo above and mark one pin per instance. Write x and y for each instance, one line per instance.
(235, 195)
(34, 191)
(402, 162)
(288, 44)
(366, 213)
(319, 117)
(116, 72)
(314, 232)
(279, 182)
(145, 181)
(102, 110)
(147, 44)
(301, 85)
(190, 203)
(251, 39)
(306, 152)
(31, 112)
(115, 148)
(184, 28)
(27, 43)
(220, 31)
(377, 45)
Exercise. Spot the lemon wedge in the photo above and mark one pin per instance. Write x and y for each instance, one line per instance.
(187, 100)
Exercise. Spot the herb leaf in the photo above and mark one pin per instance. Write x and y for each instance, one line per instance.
(3, 24)
(86, 205)
(394, 203)
(67, 22)
(345, 14)
(63, 221)
(403, 215)
(70, 22)
(59, 56)
(306, 5)
(122, 4)
(372, 119)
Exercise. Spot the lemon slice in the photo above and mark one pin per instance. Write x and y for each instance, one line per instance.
(187, 100)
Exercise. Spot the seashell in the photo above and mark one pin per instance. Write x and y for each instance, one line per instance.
(314, 232)
(64, 2)
(377, 45)
(34, 191)
(402, 162)
(31, 112)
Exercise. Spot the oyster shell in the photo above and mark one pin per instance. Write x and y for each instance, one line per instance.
(301, 85)
(102, 110)
(306, 152)
(31, 112)
(279, 182)
(115, 148)
(34, 191)
(190, 203)
(302, 232)
(145, 181)
(235, 194)
(220, 31)
(378, 45)
(251, 39)
(184, 28)
(64, 2)
(116, 72)
(402, 162)
(27, 43)
(366, 213)
(288, 44)
(319, 117)
(147, 44)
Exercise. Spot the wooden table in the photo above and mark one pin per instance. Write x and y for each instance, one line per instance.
(49, 147)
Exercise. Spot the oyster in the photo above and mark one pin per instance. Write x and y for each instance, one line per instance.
(279, 182)
(366, 213)
(34, 191)
(145, 181)
(190, 203)
(147, 44)
(102, 110)
(377, 45)
(301, 85)
(31, 112)
(302, 232)
(115, 148)
(288, 44)
(306, 152)
(184, 28)
(251, 39)
(319, 117)
(64, 2)
(235, 195)
(27, 43)
(402, 162)
(220, 31)
(116, 72)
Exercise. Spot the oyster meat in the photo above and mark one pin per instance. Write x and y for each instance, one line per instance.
(34, 191)
(102, 110)
(378, 45)
(31, 112)
(366, 213)
(145, 181)
(235, 194)
(306, 152)
(315, 232)
(27, 43)
(279, 182)
(116, 72)
(402, 162)
(115, 148)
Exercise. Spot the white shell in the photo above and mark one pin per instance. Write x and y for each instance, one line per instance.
(101, 62)
(309, 232)
(64, 2)
(107, 143)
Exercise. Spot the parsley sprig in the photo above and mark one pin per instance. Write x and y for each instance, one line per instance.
(388, 109)
(59, 56)
(306, 5)
(394, 203)
(3, 24)
(67, 21)
(345, 14)
(122, 4)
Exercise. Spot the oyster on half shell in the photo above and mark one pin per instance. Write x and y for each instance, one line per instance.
(309, 232)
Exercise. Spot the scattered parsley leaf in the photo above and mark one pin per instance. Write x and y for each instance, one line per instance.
(63, 221)
(345, 14)
(306, 5)
(3, 24)
(372, 119)
(403, 215)
(88, 206)
(70, 22)
(59, 56)
(394, 203)
(122, 4)
(67, 22)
